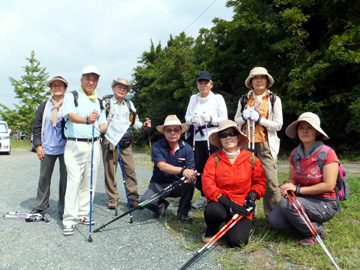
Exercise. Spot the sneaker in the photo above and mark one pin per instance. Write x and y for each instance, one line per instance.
(68, 230)
(86, 221)
(311, 240)
(184, 218)
(162, 209)
(206, 238)
(201, 202)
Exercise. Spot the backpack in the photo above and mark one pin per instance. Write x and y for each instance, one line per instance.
(244, 100)
(342, 187)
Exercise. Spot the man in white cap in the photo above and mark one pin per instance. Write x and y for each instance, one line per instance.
(173, 158)
(82, 110)
(124, 108)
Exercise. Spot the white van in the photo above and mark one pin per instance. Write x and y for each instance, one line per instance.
(5, 138)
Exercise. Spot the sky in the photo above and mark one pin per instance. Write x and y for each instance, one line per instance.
(68, 35)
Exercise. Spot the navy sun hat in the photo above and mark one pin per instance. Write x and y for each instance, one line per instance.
(203, 75)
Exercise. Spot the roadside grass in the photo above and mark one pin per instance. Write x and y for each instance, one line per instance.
(20, 144)
(269, 249)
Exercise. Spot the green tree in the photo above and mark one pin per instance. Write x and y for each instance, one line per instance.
(31, 91)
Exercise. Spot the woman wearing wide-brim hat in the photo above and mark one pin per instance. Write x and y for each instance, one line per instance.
(313, 186)
(50, 144)
(263, 107)
(205, 111)
(233, 179)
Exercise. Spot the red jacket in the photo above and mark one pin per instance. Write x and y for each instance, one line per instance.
(234, 181)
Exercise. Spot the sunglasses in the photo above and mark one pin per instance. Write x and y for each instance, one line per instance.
(231, 134)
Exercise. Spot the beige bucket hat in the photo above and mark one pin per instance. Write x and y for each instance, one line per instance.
(57, 78)
(258, 71)
(310, 118)
(172, 120)
(215, 139)
(122, 81)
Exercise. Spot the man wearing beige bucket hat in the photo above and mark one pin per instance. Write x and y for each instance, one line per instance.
(233, 179)
(49, 143)
(263, 107)
(313, 186)
(173, 158)
(117, 104)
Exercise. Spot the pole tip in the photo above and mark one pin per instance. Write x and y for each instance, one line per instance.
(90, 238)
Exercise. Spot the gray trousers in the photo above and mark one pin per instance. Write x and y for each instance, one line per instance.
(185, 192)
(43, 191)
(319, 210)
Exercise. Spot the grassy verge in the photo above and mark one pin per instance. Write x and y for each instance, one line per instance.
(269, 249)
(20, 144)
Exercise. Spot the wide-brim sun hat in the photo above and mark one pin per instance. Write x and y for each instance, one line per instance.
(90, 69)
(172, 120)
(215, 139)
(122, 81)
(57, 78)
(309, 117)
(259, 71)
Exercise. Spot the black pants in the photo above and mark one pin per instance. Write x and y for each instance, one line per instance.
(215, 214)
(185, 192)
(201, 156)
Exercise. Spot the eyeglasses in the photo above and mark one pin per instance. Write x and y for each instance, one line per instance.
(170, 130)
(231, 134)
(58, 85)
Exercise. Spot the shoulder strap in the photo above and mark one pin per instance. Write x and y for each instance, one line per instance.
(217, 159)
(272, 100)
(101, 104)
(322, 156)
(131, 113)
(243, 101)
(76, 97)
(296, 160)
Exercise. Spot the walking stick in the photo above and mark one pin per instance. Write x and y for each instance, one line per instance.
(91, 179)
(123, 174)
(194, 136)
(166, 190)
(147, 120)
(207, 138)
(115, 183)
(235, 219)
(311, 227)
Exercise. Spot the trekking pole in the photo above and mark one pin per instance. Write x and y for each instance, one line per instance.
(311, 227)
(194, 136)
(147, 120)
(166, 190)
(235, 219)
(91, 179)
(123, 174)
(115, 183)
(253, 136)
(207, 136)
(28, 217)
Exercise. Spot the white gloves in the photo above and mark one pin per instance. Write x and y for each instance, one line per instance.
(254, 115)
(246, 114)
(195, 119)
(206, 118)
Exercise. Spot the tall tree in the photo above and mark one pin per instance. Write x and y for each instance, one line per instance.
(31, 91)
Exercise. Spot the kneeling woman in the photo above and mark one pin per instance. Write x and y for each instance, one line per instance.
(313, 187)
(232, 180)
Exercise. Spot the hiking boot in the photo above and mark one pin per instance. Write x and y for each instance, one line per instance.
(68, 230)
(201, 202)
(310, 240)
(184, 218)
(86, 221)
(206, 238)
(162, 209)
(112, 205)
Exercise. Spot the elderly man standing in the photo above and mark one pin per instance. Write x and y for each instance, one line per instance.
(173, 158)
(124, 108)
(82, 110)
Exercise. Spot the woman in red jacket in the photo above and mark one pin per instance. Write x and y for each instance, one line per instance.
(232, 180)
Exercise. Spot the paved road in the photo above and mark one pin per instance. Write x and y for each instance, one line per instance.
(144, 244)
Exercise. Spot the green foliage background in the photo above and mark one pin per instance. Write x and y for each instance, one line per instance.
(311, 48)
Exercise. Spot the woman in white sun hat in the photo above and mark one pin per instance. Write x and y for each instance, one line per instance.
(264, 108)
(233, 179)
(313, 187)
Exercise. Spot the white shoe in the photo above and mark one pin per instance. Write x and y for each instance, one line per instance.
(68, 230)
(201, 202)
(86, 221)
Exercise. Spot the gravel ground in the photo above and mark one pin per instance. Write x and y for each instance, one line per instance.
(144, 244)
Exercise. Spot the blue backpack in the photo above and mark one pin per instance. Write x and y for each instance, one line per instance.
(342, 187)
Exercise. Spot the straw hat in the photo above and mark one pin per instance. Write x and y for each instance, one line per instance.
(258, 71)
(310, 118)
(122, 81)
(57, 78)
(172, 120)
(215, 139)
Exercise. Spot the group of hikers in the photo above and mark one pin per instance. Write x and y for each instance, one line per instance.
(232, 163)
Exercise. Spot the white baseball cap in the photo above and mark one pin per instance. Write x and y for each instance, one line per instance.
(90, 69)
